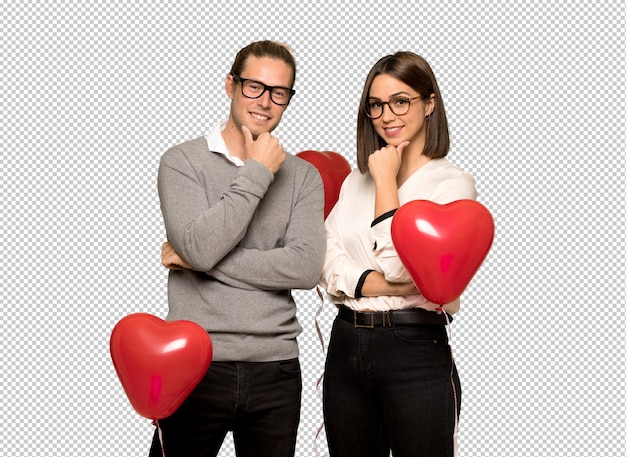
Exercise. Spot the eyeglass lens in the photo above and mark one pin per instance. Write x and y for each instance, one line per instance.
(398, 106)
(255, 89)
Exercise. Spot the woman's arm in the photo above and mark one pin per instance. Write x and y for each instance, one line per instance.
(376, 285)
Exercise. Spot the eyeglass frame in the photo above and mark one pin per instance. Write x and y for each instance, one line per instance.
(382, 111)
(266, 88)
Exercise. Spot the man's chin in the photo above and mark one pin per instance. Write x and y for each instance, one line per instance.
(257, 132)
(257, 129)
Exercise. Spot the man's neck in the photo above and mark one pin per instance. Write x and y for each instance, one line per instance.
(234, 141)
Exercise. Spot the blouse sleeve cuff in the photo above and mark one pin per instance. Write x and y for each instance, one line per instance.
(358, 292)
(383, 217)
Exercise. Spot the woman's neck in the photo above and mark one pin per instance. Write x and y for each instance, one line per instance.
(412, 160)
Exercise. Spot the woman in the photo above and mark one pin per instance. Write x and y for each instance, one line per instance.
(390, 382)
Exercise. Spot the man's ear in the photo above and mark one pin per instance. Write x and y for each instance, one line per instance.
(229, 85)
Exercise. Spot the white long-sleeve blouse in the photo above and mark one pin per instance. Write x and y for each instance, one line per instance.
(357, 243)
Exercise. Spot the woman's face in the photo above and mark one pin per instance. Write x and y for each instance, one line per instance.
(387, 91)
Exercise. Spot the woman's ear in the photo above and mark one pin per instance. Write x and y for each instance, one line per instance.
(430, 105)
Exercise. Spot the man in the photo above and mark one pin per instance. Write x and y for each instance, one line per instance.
(245, 225)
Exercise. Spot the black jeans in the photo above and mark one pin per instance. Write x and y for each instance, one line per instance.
(259, 402)
(393, 388)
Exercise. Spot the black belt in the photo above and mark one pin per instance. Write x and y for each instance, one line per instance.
(371, 319)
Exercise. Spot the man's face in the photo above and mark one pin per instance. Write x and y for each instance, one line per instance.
(258, 114)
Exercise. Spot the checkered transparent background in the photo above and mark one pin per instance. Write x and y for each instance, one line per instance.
(93, 94)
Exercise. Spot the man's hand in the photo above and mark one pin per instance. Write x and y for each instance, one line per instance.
(170, 258)
(265, 149)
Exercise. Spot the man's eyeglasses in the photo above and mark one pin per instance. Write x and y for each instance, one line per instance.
(398, 106)
(255, 89)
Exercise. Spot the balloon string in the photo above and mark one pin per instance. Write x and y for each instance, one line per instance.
(320, 308)
(317, 434)
(160, 433)
(454, 393)
(317, 314)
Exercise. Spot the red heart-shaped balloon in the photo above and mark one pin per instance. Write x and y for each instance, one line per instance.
(442, 246)
(333, 168)
(159, 363)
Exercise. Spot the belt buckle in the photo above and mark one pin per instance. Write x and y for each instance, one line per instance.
(386, 319)
(370, 325)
